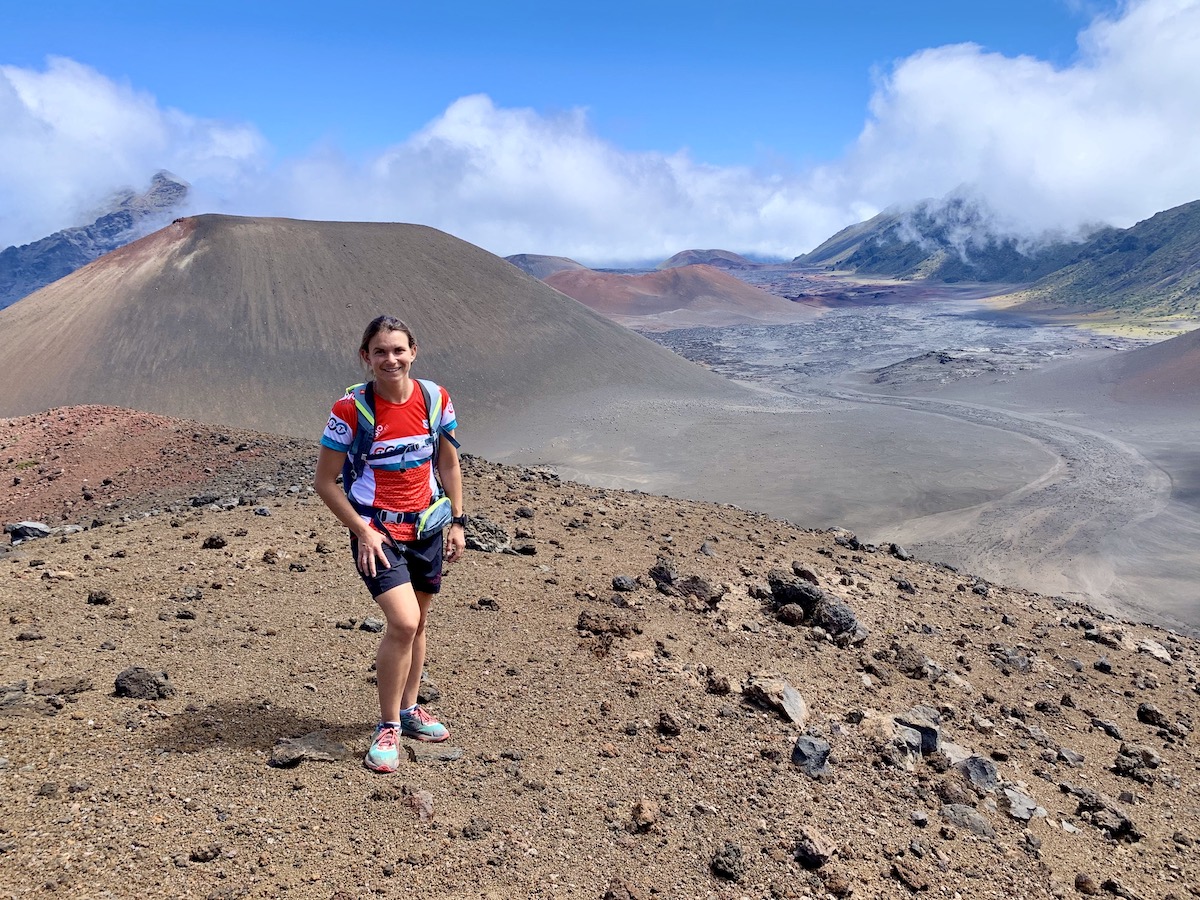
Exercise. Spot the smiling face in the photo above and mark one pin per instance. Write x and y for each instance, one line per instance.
(389, 355)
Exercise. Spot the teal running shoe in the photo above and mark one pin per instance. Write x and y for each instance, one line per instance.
(384, 755)
(422, 726)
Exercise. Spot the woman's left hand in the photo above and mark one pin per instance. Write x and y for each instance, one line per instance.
(456, 543)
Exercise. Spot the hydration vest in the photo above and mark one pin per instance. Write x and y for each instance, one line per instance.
(358, 457)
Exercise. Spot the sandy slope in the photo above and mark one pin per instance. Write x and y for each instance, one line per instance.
(256, 323)
(1166, 374)
(1116, 520)
(593, 765)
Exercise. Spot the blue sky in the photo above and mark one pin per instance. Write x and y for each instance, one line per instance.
(604, 131)
(724, 83)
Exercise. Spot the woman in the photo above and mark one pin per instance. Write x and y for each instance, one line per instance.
(402, 572)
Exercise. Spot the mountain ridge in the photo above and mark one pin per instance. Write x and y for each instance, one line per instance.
(1145, 270)
(1149, 269)
(30, 267)
(953, 239)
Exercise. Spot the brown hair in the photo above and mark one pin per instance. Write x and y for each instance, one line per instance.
(382, 323)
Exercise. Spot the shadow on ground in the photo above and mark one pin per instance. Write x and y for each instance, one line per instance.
(252, 724)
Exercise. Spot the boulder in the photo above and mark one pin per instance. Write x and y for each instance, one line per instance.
(26, 531)
(1155, 649)
(1019, 804)
(813, 849)
(979, 772)
(604, 623)
(1149, 714)
(838, 619)
(964, 816)
(138, 683)
(773, 692)
(486, 536)
(1103, 813)
(316, 745)
(787, 588)
(664, 575)
(926, 721)
(791, 614)
(729, 862)
(811, 755)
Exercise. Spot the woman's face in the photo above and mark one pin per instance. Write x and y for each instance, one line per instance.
(389, 355)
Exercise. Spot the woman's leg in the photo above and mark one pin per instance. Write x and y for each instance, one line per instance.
(416, 665)
(397, 656)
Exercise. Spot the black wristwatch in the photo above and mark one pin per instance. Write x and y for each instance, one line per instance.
(459, 520)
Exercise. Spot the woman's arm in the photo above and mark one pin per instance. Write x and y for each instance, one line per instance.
(370, 541)
(450, 475)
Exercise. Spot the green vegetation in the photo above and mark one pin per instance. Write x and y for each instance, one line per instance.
(1152, 268)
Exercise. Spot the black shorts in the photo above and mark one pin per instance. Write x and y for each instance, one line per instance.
(418, 562)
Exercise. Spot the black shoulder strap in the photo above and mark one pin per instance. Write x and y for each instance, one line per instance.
(364, 430)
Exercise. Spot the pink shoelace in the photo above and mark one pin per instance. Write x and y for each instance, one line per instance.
(424, 717)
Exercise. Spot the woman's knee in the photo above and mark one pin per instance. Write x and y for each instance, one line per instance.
(405, 617)
(401, 633)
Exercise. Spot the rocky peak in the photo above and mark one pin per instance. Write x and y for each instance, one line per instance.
(126, 217)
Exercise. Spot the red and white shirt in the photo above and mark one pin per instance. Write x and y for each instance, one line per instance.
(404, 481)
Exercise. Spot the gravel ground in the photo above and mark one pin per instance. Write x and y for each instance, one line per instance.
(599, 680)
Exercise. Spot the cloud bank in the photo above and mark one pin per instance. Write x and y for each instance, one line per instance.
(72, 137)
(1112, 138)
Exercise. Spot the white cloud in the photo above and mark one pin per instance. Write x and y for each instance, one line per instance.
(71, 137)
(1113, 137)
(512, 181)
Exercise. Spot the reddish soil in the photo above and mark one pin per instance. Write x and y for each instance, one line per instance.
(83, 463)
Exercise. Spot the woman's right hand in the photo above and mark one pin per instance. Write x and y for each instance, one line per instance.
(370, 553)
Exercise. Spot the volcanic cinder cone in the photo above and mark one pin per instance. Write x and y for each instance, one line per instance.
(255, 323)
(677, 297)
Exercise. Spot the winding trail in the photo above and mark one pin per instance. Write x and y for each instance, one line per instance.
(1091, 512)
(1057, 533)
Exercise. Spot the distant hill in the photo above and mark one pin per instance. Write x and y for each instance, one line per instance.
(25, 269)
(947, 240)
(676, 297)
(1151, 268)
(722, 259)
(541, 266)
(254, 323)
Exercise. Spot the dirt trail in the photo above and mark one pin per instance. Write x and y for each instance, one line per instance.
(1058, 533)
